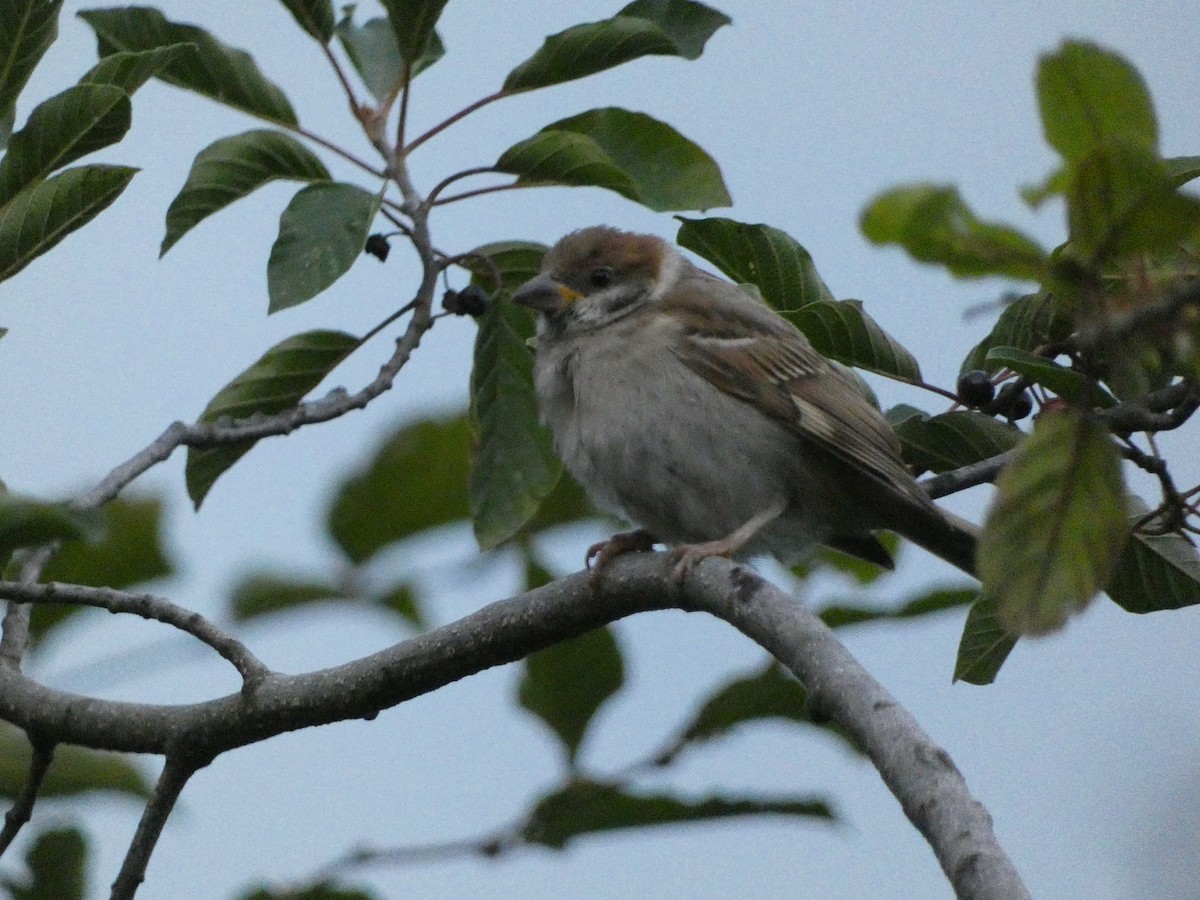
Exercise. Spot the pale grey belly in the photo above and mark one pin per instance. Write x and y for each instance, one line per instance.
(658, 444)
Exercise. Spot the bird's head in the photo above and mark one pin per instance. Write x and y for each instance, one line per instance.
(597, 275)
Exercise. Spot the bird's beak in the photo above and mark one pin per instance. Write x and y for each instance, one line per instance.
(545, 294)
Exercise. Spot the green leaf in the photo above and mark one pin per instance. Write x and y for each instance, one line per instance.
(7, 120)
(212, 68)
(985, 644)
(1056, 525)
(75, 770)
(27, 29)
(277, 382)
(1027, 323)
(1067, 383)
(1122, 200)
(130, 70)
(323, 890)
(402, 600)
(129, 552)
(25, 522)
(1155, 571)
(761, 255)
(771, 693)
(689, 25)
(536, 573)
(373, 52)
(413, 22)
(45, 213)
(415, 481)
(567, 503)
(511, 262)
(586, 807)
(1182, 169)
(842, 330)
(940, 600)
(651, 27)
(57, 863)
(232, 167)
(262, 594)
(954, 439)
(59, 131)
(515, 468)
(564, 685)
(934, 225)
(1087, 95)
(321, 233)
(858, 570)
(630, 153)
(314, 16)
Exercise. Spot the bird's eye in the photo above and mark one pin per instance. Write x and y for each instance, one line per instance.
(601, 276)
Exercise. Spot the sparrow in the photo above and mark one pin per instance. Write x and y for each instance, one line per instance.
(692, 409)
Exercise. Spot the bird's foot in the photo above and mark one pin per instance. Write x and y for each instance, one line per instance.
(686, 556)
(601, 554)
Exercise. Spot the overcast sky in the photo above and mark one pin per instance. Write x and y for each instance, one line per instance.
(1084, 750)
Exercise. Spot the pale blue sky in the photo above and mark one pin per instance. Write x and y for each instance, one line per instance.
(1085, 748)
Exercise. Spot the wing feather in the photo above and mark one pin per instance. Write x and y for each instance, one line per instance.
(748, 351)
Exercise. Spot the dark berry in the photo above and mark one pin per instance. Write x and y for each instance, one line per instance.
(1019, 407)
(378, 247)
(470, 301)
(975, 389)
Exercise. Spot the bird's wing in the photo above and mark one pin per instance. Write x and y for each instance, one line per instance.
(748, 351)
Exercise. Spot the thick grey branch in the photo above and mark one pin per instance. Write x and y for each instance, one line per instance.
(148, 606)
(920, 774)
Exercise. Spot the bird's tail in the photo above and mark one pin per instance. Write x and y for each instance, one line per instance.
(943, 534)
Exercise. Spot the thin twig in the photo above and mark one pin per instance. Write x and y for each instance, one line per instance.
(15, 639)
(212, 434)
(147, 606)
(431, 199)
(386, 322)
(926, 386)
(171, 781)
(22, 808)
(458, 116)
(334, 148)
(335, 64)
(983, 472)
(490, 846)
(1161, 410)
(405, 91)
(493, 189)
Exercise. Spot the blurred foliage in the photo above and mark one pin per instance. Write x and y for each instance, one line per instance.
(74, 771)
(57, 868)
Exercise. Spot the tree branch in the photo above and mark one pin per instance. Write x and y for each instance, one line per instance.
(920, 774)
(171, 781)
(148, 606)
(983, 472)
(209, 434)
(22, 808)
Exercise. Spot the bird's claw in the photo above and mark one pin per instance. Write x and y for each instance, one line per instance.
(604, 552)
(687, 556)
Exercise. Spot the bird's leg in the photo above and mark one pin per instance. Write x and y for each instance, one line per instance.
(625, 542)
(687, 555)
